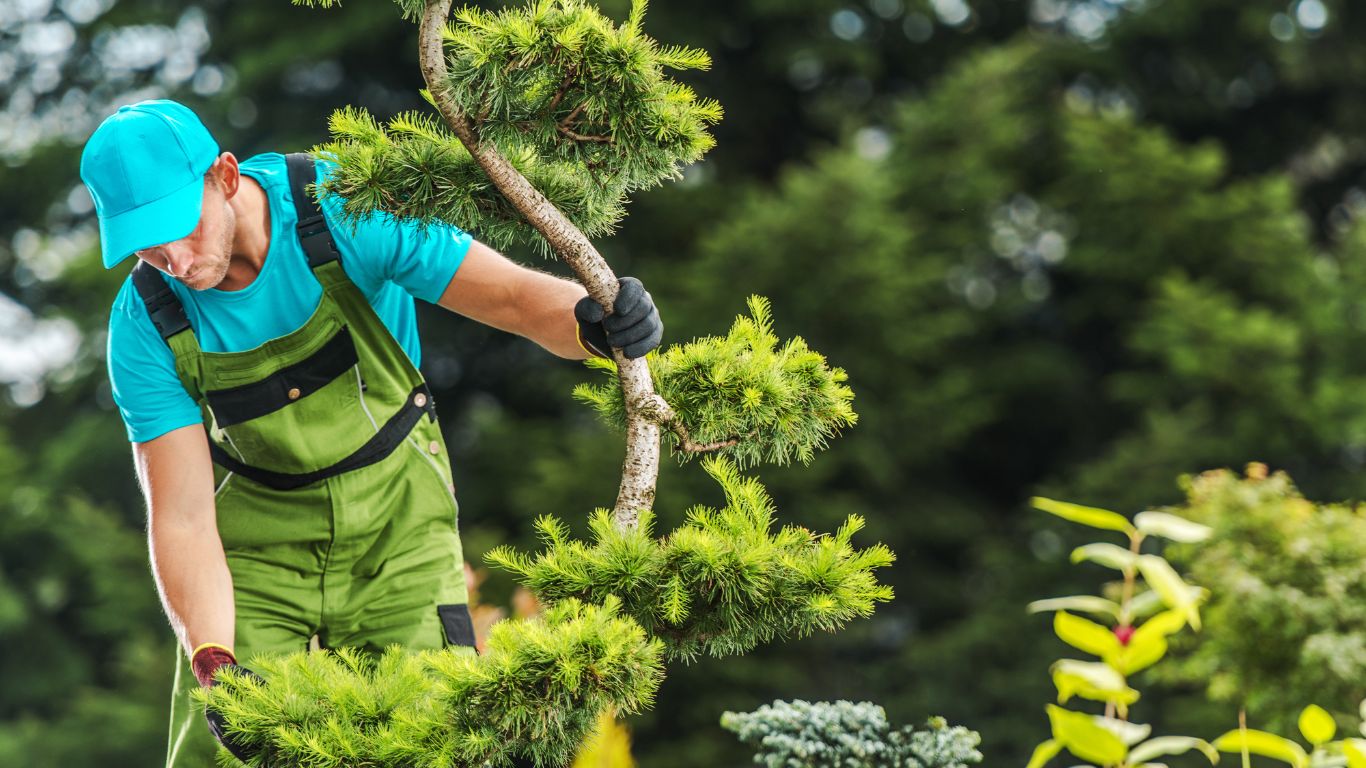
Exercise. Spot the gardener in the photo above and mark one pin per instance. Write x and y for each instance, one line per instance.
(264, 356)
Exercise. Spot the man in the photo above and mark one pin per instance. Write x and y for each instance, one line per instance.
(264, 356)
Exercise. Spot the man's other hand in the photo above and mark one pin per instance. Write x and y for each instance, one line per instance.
(207, 662)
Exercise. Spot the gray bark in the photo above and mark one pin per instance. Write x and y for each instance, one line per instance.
(640, 469)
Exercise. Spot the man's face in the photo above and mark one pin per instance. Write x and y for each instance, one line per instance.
(200, 259)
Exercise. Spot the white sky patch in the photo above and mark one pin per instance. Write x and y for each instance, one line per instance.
(31, 349)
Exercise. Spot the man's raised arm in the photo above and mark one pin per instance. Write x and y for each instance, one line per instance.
(549, 310)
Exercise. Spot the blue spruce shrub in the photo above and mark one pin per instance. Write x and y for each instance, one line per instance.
(843, 734)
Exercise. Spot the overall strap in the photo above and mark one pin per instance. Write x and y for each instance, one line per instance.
(312, 229)
(163, 306)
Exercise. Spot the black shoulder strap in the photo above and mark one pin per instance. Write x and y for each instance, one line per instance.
(313, 232)
(165, 309)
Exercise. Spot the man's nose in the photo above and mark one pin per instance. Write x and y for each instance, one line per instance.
(178, 259)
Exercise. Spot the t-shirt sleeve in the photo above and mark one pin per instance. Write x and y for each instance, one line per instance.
(382, 248)
(149, 395)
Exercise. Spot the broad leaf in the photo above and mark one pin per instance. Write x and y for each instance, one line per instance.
(1172, 745)
(1107, 555)
(1147, 603)
(1091, 516)
(1264, 744)
(1168, 583)
(1148, 644)
(1084, 634)
(1091, 680)
(1355, 750)
(1141, 653)
(1317, 725)
(1171, 527)
(1129, 733)
(1082, 737)
(1043, 753)
(1084, 603)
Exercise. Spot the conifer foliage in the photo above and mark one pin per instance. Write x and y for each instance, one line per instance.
(415, 169)
(580, 105)
(722, 583)
(800, 734)
(765, 402)
(535, 694)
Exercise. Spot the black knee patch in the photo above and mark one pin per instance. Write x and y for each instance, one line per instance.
(455, 620)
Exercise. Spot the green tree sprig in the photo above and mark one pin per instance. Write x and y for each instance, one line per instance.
(722, 583)
(414, 168)
(763, 401)
(578, 105)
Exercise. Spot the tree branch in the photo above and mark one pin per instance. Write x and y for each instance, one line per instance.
(582, 137)
(572, 117)
(658, 410)
(564, 88)
(640, 468)
(688, 445)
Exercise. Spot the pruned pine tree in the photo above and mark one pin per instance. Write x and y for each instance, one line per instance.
(550, 115)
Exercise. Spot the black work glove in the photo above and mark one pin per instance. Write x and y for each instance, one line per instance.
(219, 726)
(205, 664)
(633, 327)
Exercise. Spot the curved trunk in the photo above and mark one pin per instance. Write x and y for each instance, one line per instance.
(640, 469)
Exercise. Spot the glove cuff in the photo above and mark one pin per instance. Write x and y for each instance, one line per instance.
(207, 659)
(593, 339)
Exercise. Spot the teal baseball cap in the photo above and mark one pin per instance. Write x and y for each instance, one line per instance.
(144, 167)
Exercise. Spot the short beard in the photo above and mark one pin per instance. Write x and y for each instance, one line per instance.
(219, 268)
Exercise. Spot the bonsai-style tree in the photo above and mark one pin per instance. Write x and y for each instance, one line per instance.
(549, 115)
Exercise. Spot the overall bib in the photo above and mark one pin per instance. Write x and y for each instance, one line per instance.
(333, 491)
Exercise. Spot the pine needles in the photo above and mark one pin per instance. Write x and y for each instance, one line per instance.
(561, 77)
(414, 168)
(580, 106)
(799, 734)
(535, 694)
(722, 583)
(780, 402)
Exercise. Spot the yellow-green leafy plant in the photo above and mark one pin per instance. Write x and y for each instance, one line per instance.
(1317, 727)
(1122, 632)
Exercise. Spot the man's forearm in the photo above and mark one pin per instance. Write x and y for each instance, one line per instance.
(188, 564)
(510, 297)
(192, 578)
(547, 311)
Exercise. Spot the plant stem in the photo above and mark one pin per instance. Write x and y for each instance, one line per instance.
(1130, 579)
(1242, 731)
(640, 469)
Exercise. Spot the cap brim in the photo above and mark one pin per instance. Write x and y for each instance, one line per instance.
(156, 223)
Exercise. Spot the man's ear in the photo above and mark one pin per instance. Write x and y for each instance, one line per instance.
(225, 170)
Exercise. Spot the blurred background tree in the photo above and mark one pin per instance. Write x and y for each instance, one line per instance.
(1062, 247)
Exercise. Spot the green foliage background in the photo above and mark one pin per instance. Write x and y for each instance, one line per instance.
(1072, 248)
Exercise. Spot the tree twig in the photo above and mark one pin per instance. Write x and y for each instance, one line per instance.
(572, 117)
(582, 137)
(564, 88)
(689, 446)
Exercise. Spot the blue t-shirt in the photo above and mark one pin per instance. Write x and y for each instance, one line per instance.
(390, 261)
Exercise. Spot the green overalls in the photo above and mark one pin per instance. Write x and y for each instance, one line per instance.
(333, 491)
